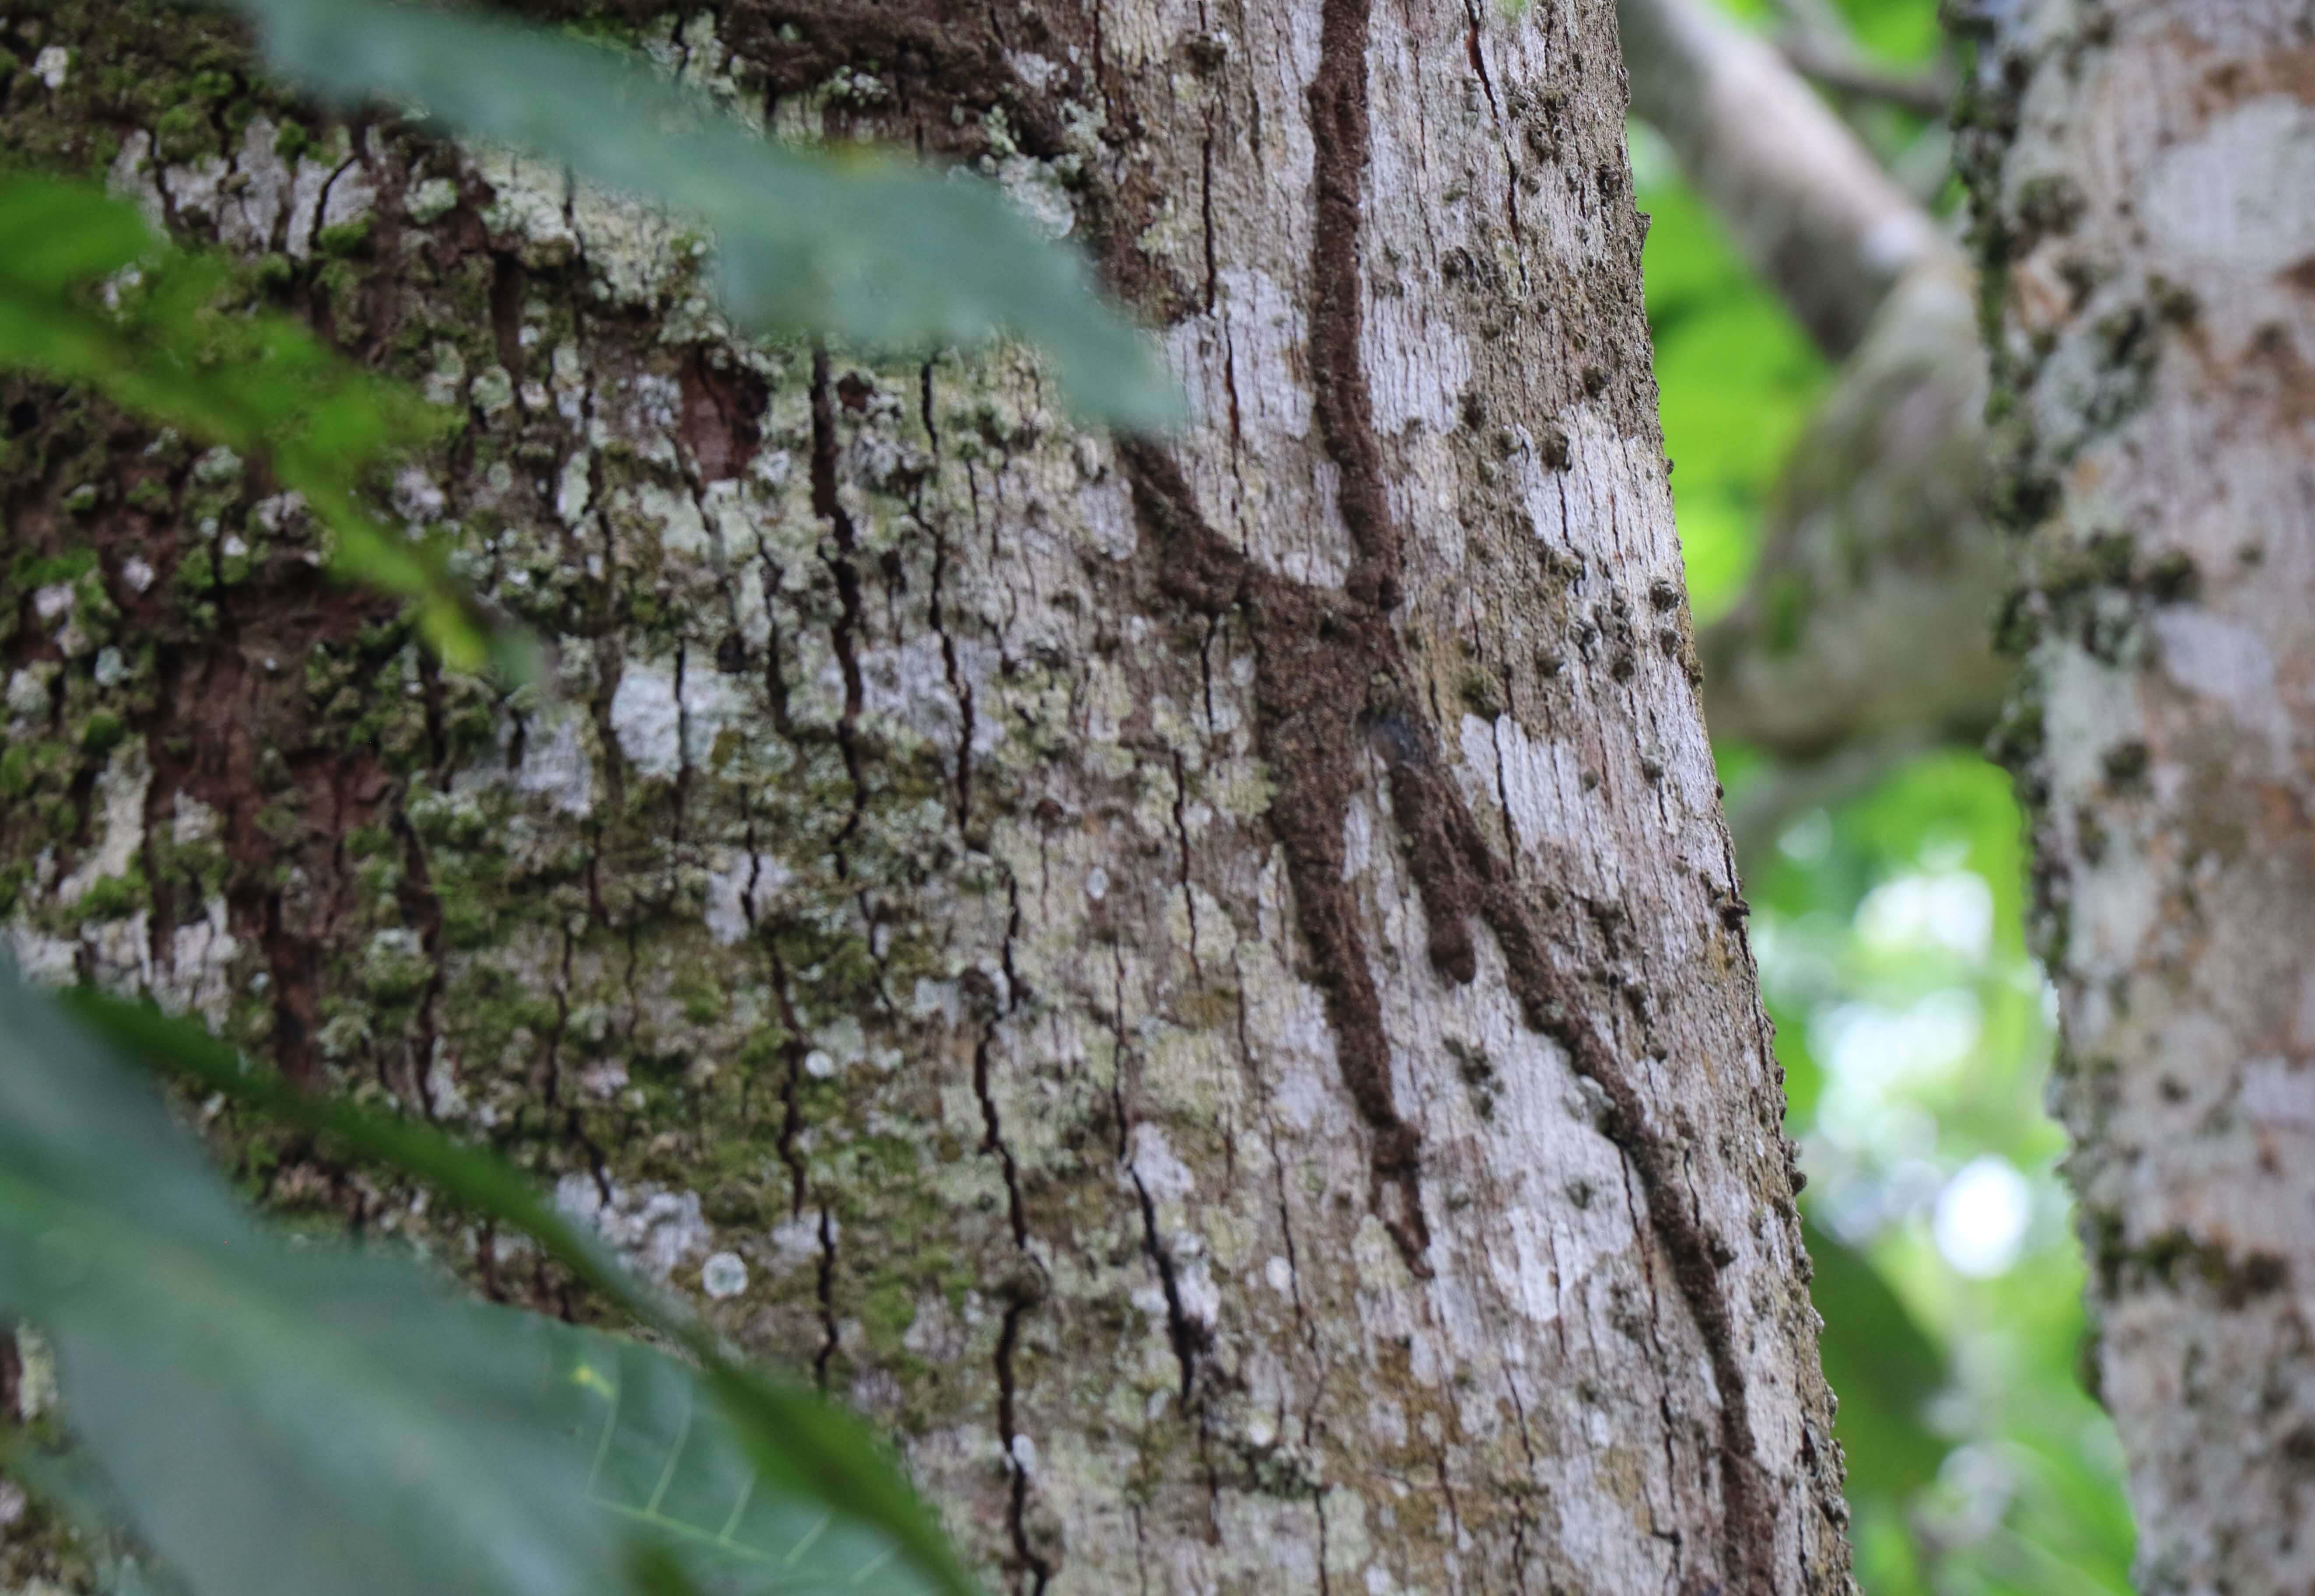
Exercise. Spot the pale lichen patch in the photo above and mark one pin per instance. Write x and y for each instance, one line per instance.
(656, 1230)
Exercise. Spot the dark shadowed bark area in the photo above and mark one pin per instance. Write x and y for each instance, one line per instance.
(1199, 981)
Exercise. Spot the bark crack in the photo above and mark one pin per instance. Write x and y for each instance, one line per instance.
(682, 744)
(1188, 1338)
(1039, 1568)
(1206, 207)
(1527, 1450)
(598, 1166)
(958, 687)
(992, 1135)
(791, 1087)
(1181, 841)
(1025, 1288)
(1473, 44)
(844, 634)
(826, 1291)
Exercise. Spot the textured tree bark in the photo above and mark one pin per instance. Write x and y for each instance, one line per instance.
(1198, 981)
(2142, 176)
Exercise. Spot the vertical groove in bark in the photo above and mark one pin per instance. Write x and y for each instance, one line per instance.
(2140, 179)
(829, 505)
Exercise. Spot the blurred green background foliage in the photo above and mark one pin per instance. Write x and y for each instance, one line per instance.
(1913, 1025)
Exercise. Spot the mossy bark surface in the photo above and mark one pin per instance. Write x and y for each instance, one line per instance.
(1199, 981)
(2140, 177)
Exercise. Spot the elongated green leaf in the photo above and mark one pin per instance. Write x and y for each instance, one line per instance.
(262, 384)
(281, 1421)
(60, 236)
(315, 1422)
(863, 250)
(669, 1461)
(798, 1446)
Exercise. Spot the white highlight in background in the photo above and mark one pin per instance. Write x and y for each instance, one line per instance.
(1953, 910)
(1981, 1218)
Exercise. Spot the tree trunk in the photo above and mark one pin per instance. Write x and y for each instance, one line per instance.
(2142, 180)
(1199, 981)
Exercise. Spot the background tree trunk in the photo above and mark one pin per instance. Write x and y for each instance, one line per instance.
(2142, 179)
(1201, 982)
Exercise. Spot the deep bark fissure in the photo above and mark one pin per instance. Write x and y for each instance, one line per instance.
(1181, 845)
(1188, 1339)
(992, 1138)
(825, 1289)
(958, 687)
(1026, 1557)
(828, 503)
(793, 1048)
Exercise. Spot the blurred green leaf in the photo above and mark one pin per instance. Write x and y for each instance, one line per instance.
(327, 1423)
(308, 1422)
(862, 249)
(60, 235)
(670, 1460)
(797, 1443)
(88, 295)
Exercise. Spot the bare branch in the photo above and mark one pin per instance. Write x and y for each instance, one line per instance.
(1811, 209)
(1836, 67)
(1866, 630)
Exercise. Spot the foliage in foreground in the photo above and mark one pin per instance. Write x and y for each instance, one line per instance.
(323, 1421)
(87, 296)
(860, 249)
